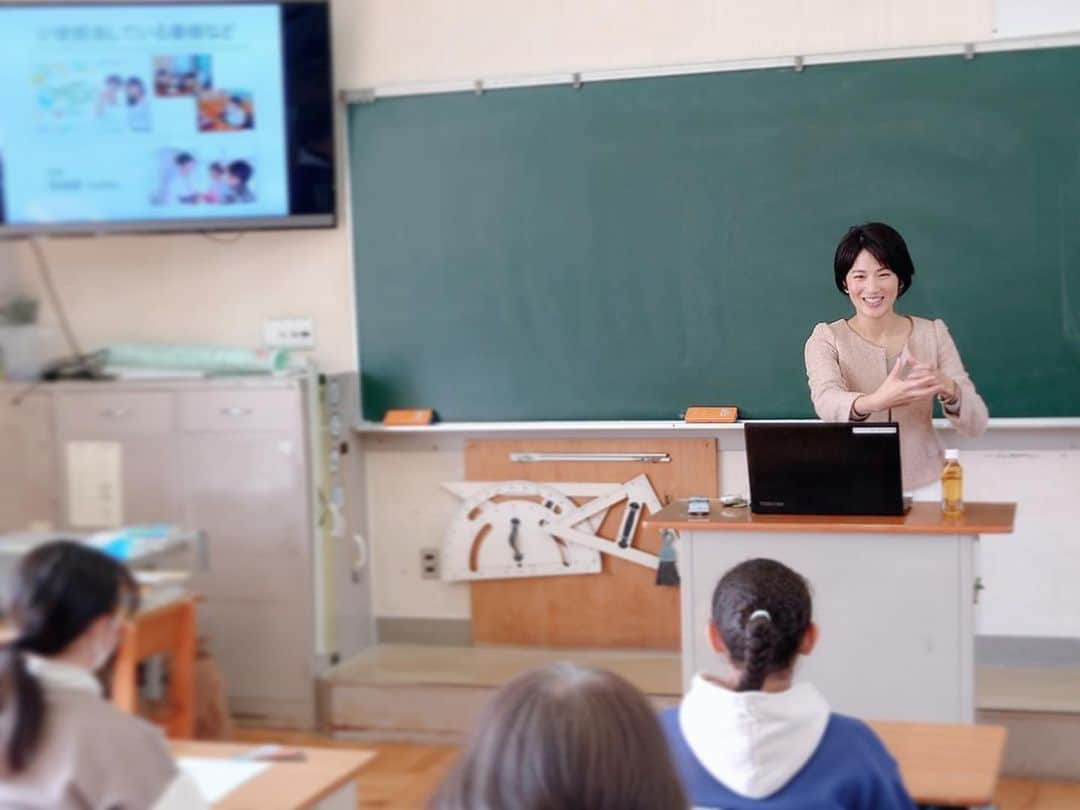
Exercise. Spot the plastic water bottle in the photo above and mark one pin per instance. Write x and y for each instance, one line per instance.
(952, 485)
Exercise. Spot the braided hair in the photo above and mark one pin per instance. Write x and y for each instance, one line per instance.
(762, 610)
(61, 588)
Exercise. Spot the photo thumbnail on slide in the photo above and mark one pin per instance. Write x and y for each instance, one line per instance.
(182, 75)
(186, 178)
(142, 112)
(90, 96)
(226, 111)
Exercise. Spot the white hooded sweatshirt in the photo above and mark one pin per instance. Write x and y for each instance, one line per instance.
(752, 742)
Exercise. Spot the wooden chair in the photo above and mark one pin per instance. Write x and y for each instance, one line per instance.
(168, 629)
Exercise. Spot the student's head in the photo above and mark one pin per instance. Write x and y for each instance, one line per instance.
(113, 85)
(217, 170)
(185, 162)
(240, 172)
(871, 263)
(761, 620)
(69, 602)
(564, 737)
(135, 90)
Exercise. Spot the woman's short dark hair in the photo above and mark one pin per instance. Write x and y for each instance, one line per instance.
(883, 243)
(760, 645)
(561, 738)
(61, 588)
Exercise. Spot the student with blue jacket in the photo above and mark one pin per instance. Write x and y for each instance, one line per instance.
(755, 739)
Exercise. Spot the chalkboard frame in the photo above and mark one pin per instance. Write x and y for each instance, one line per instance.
(976, 162)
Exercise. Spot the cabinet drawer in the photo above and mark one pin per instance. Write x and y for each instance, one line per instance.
(240, 410)
(115, 414)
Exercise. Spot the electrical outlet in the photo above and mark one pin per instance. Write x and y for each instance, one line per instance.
(430, 567)
(289, 333)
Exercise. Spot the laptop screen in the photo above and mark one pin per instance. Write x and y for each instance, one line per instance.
(814, 468)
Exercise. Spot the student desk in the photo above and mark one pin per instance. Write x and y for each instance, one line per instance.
(894, 599)
(168, 628)
(946, 765)
(324, 780)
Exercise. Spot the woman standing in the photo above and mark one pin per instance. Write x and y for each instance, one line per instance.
(883, 366)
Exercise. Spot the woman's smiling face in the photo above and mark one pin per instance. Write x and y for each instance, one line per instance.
(872, 287)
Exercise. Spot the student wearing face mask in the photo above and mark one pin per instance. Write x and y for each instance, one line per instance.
(62, 745)
(883, 366)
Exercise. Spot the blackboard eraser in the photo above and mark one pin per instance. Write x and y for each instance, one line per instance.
(702, 414)
(402, 417)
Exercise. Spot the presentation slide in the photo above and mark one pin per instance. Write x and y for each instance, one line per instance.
(141, 113)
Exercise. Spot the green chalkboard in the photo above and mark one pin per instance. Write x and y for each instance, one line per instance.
(625, 249)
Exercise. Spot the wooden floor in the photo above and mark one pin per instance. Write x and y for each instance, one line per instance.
(403, 775)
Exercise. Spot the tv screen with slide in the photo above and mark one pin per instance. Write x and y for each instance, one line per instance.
(120, 117)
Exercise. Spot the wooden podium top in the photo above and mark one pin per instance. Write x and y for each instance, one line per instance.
(923, 518)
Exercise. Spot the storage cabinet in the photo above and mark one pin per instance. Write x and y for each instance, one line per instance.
(242, 460)
(245, 479)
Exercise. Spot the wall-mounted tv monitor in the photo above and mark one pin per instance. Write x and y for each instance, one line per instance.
(186, 116)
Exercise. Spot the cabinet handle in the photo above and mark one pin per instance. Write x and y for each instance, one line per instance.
(236, 412)
(116, 413)
(361, 553)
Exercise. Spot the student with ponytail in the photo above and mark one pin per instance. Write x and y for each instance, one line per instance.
(754, 738)
(62, 746)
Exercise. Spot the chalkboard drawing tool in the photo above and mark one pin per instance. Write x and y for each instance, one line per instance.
(406, 417)
(705, 414)
(509, 529)
(501, 531)
(629, 524)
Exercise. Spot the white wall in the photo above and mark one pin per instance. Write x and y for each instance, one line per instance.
(184, 289)
(433, 40)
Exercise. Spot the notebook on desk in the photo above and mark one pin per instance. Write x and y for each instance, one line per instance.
(814, 468)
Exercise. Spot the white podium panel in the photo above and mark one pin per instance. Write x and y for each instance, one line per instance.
(895, 614)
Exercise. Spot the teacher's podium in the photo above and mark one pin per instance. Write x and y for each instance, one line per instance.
(894, 599)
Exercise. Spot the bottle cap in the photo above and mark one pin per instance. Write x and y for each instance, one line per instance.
(952, 454)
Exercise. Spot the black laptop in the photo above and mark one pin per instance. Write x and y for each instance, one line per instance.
(814, 468)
